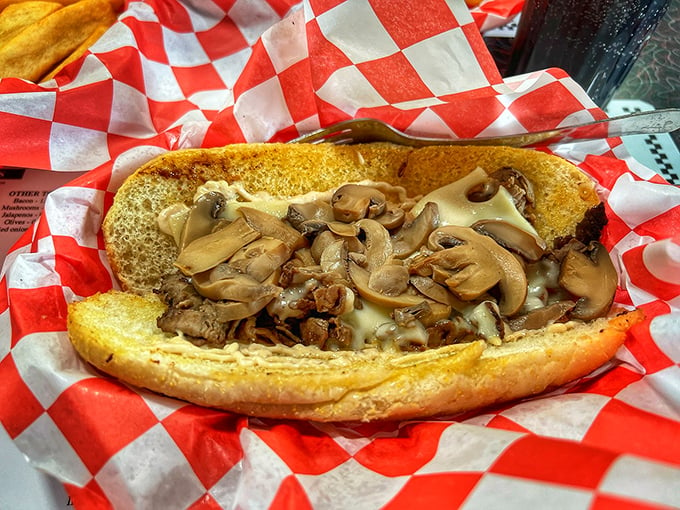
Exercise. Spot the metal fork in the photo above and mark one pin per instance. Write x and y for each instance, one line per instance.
(371, 130)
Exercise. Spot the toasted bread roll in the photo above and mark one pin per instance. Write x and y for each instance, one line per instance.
(123, 333)
(563, 193)
(116, 332)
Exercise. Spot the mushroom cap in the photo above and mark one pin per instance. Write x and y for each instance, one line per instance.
(515, 239)
(389, 279)
(235, 287)
(271, 226)
(300, 212)
(512, 283)
(261, 257)
(210, 250)
(352, 202)
(468, 270)
(377, 242)
(591, 277)
(361, 277)
(201, 218)
(414, 232)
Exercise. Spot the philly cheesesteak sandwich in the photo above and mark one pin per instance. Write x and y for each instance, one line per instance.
(354, 282)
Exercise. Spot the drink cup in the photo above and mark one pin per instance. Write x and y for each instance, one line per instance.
(595, 41)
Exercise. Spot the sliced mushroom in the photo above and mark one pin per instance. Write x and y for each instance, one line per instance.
(377, 243)
(261, 258)
(202, 216)
(592, 278)
(360, 278)
(210, 250)
(171, 221)
(389, 279)
(423, 312)
(271, 226)
(304, 257)
(437, 292)
(321, 241)
(316, 211)
(311, 228)
(468, 270)
(353, 202)
(483, 190)
(235, 287)
(392, 218)
(333, 258)
(343, 229)
(541, 317)
(414, 233)
(519, 241)
(513, 281)
(235, 310)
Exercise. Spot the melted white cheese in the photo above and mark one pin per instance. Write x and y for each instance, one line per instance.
(365, 322)
(237, 196)
(456, 209)
(541, 276)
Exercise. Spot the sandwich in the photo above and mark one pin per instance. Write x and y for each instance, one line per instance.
(357, 282)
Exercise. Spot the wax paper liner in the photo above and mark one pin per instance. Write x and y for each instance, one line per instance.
(608, 440)
(492, 14)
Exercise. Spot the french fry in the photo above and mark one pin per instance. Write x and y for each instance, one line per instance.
(14, 18)
(5, 3)
(116, 4)
(78, 52)
(39, 47)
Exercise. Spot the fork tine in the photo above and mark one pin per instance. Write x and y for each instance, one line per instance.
(323, 134)
(336, 136)
(349, 131)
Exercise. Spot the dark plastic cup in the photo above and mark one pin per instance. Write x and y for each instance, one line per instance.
(595, 41)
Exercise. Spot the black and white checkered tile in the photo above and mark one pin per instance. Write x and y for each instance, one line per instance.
(657, 152)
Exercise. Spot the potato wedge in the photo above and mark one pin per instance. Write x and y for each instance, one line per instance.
(41, 46)
(14, 18)
(78, 52)
(116, 4)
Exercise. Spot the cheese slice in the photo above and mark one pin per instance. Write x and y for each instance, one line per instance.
(456, 209)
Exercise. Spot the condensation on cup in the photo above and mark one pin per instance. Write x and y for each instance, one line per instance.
(595, 41)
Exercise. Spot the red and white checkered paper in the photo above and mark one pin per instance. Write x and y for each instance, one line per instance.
(170, 75)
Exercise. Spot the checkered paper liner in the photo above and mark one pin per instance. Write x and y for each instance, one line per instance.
(168, 76)
(493, 14)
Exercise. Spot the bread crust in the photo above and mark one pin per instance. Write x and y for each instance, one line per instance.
(139, 254)
(116, 331)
